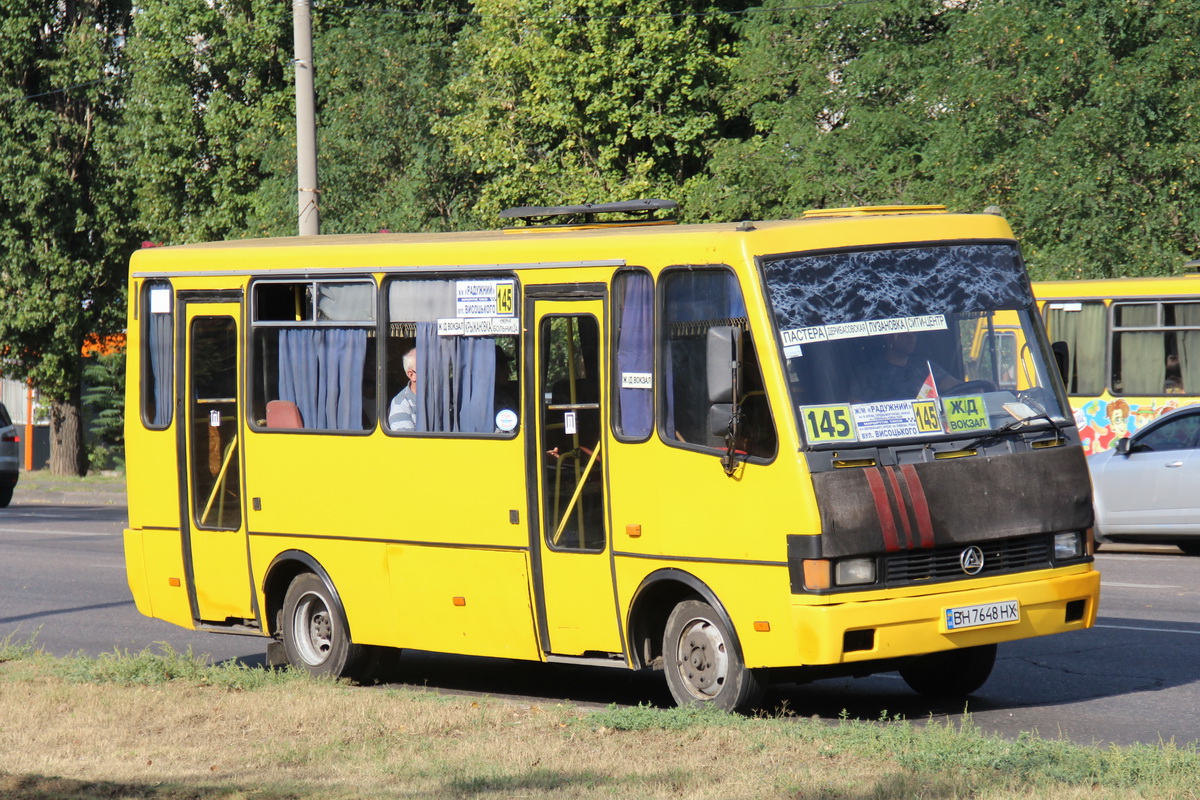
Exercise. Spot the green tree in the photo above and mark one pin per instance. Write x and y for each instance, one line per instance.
(1075, 117)
(381, 79)
(559, 101)
(210, 119)
(64, 232)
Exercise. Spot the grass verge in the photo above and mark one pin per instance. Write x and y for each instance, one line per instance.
(163, 725)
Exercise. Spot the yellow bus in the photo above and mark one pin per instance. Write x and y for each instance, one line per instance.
(1131, 347)
(740, 454)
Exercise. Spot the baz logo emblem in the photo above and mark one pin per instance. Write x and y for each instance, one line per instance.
(971, 560)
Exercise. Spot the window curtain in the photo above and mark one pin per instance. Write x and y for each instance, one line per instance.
(158, 344)
(321, 371)
(1188, 342)
(1143, 365)
(1083, 331)
(456, 382)
(634, 353)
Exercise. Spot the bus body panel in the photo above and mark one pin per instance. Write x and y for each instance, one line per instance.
(469, 601)
(157, 578)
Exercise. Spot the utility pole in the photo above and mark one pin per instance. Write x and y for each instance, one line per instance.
(306, 121)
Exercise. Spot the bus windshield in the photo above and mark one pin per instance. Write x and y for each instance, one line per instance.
(911, 342)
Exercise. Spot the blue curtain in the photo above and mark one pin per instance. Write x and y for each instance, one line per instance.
(635, 353)
(456, 382)
(158, 344)
(321, 371)
(476, 390)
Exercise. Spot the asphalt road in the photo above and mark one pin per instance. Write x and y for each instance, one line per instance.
(1135, 677)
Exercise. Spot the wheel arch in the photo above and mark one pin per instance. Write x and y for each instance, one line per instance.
(284, 569)
(653, 601)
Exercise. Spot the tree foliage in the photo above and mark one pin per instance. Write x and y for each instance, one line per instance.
(588, 100)
(209, 120)
(1072, 116)
(381, 78)
(64, 226)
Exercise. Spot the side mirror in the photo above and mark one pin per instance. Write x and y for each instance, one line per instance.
(1062, 357)
(1123, 446)
(723, 356)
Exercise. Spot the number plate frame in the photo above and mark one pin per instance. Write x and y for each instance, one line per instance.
(1003, 612)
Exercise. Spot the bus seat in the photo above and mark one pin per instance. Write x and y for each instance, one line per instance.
(283, 414)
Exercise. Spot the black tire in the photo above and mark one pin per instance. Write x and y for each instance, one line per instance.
(6, 493)
(703, 662)
(950, 674)
(314, 636)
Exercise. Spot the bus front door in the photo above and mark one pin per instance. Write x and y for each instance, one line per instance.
(573, 565)
(215, 545)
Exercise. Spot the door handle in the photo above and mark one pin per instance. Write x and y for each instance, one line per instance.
(1170, 464)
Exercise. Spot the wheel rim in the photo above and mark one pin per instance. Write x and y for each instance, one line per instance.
(312, 629)
(702, 659)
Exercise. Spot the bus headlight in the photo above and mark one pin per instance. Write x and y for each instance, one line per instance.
(1067, 546)
(854, 572)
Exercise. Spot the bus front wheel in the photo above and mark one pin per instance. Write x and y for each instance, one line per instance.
(702, 660)
(952, 673)
(314, 636)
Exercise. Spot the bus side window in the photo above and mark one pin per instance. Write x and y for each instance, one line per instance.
(158, 360)
(694, 301)
(314, 347)
(633, 334)
(460, 336)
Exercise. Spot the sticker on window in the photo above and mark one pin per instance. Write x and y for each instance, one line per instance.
(795, 337)
(160, 301)
(928, 418)
(889, 420)
(480, 326)
(965, 414)
(485, 298)
(506, 420)
(832, 423)
(637, 380)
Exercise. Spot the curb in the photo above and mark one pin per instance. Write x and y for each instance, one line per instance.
(65, 498)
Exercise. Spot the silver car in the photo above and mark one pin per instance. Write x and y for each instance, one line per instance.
(1147, 486)
(9, 457)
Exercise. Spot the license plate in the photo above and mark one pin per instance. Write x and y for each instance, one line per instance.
(986, 614)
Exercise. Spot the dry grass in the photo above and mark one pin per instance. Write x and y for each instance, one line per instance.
(302, 739)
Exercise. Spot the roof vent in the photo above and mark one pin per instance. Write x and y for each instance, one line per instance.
(634, 212)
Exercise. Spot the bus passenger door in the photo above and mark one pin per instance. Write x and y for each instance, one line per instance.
(215, 544)
(573, 566)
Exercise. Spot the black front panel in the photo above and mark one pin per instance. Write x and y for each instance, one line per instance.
(891, 509)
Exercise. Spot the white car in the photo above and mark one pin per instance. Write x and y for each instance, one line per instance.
(9, 457)
(1147, 488)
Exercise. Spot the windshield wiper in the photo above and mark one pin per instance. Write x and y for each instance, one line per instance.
(1013, 425)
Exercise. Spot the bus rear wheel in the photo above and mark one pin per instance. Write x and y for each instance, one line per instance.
(953, 673)
(314, 637)
(703, 663)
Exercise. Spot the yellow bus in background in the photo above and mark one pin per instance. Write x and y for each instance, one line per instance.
(1132, 347)
(740, 454)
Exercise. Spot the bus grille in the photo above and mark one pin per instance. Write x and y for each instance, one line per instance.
(942, 563)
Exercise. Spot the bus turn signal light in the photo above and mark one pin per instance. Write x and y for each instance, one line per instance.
(173, 582)
(762, 626)
(817, 574)
(460, 601)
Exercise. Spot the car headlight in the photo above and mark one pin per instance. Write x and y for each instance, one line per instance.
(1068, 546)
(854, 572)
